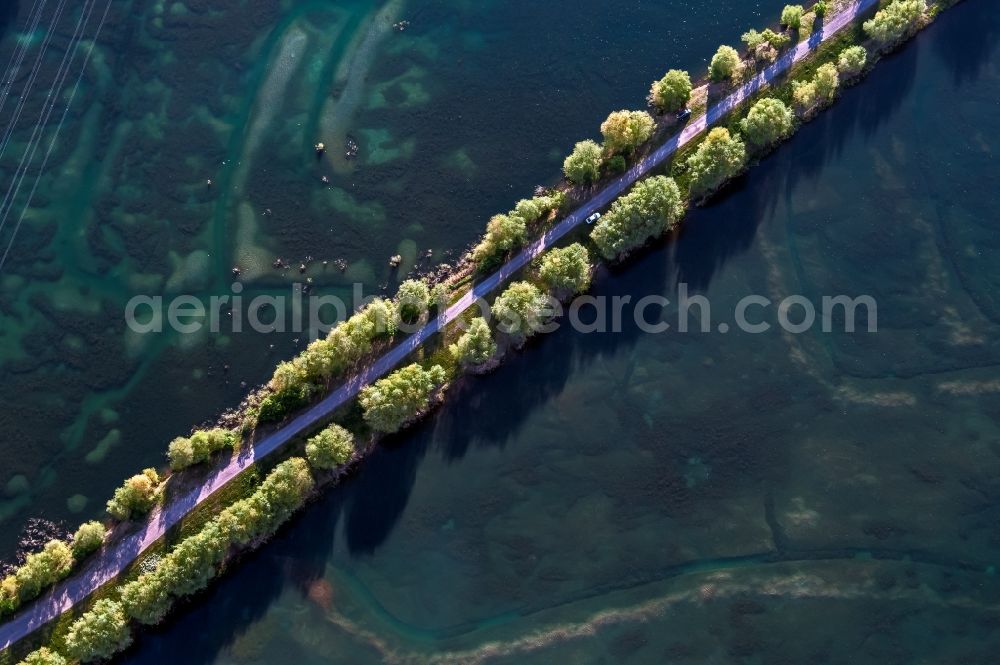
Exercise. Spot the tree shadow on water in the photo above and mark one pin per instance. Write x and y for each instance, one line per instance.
(8, 18)
(965, 36)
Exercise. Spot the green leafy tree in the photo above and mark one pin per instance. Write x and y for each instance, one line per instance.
(791, 16)
(584, 163)
(503, 233)
(520, 310)
(44, 656)
(725, 64)
(400, 397)
(653, 207)
(43, 569)
(623, 131)
(672, 92)
(100, 633)
(147, 599)
(852, 60)
(767, 122)
(87, 539)
(805, 97)
(136, 497)
(332, 447)
(827, 81)
(820, 9)
(896, 21)
(10, 595)
(202, 444)
(720, 157)
(566, 270)
(476, 345)
(414, 298)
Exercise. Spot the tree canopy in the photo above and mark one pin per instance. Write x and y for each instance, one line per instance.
(827, 81)
(584, 163)
(852, 60)
(896, 21)
(767, 122)
(99, 633)
(44, 656)
(332, 447)
(791, 16)
(197, 448)
(403, 395)
(623, 131)
(414, 299)
(672, 92)
(566, 270)
(503, 233)
(136, 497)
(87, 539)
(651, 208)
(476, 345)
(720, 157)
(725, 64)
(520, 310)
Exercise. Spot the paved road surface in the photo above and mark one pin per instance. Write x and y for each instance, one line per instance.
(110, 563)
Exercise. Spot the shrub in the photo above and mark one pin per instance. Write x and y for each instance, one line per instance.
(332, 447)
(10, 596)
(503, 233)
(136, 497)
(413, 298)
(616, 164)
(100, 633)
(672, 92)
(400, 397)
(584, 164)
(719, 158)
(767, 122)
(43, 569)
(852, 60)
(791, 16)
(476, 345)
(653, 207)
(896, 22)
(520, 309)
(566, 270)
(725, 64)
(87, 539)
(827, 81)
(820, 9)
(43, 656)
(623, 131)
(805, 97)
(202, 444)
(755, 40)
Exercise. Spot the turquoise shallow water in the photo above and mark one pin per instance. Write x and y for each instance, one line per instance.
(601, 498)
(702, 498)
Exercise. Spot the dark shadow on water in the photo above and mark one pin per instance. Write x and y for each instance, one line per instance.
(965, 37)
(8, 17)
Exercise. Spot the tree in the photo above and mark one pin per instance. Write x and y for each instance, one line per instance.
(725, 64)
(100, 633)
(202, 444)
(400, 397)
(755, 40)
(414, 298)
(136, 497)
(43, 656)
(566, 270)
(503, 233)
(476, 345)
(653, 207)
(672, 92)
(805, 97)
(827, 81)
(791, 16)
(147, 598)
(852, 60)
(10, 596)
(520, 309)
(896, 22)
(87, 539)
(623, 131)
(43, 569)
(820, 9)
(719, 158)
(584, 163)
(767, 122)
(332, 447)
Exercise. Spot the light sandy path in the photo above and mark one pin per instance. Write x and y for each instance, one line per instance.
(111, 562)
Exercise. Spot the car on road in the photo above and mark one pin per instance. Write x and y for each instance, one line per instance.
(593, 218)
(683, 114)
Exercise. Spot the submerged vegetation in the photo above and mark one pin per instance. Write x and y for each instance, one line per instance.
(653, 207)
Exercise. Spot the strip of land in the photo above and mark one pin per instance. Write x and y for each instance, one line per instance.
(114, 560)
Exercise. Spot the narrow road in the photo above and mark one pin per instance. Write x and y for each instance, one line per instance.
(108, 564)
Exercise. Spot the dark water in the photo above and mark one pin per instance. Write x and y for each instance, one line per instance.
(703, 498)
(620, 498)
